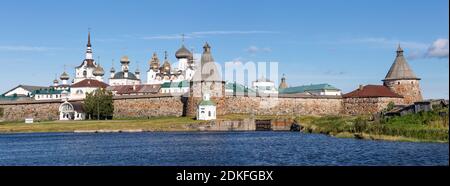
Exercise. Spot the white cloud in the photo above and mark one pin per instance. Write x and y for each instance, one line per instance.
(25, 48)
(254, 49)
(417, 50)
(438, 49)
(207, 33)
(166, 37)
(232, 32)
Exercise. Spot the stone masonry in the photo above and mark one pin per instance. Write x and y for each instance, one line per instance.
(148, 107)
(367, 105)
(166, 105)
(39, 111)
(409, 89)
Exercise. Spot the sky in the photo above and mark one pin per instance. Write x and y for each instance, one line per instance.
(344, 43)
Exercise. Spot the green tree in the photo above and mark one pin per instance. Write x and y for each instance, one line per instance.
(99, 104)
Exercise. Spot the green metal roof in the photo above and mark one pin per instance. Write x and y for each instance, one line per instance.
(181, 84)
(47, 91)
(236, 87)
(306, 88)
(9, 98)
(207, 103)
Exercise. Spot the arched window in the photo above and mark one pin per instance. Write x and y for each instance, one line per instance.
(85, 73)
(209, 113)
(398, 83)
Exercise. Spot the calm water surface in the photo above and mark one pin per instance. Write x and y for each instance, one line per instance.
(212, 148)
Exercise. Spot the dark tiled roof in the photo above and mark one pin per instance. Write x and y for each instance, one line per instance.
(26, 87)
(133, 89)
(120, 75)
(90, 83)
(89, 63)
(150, 89)
(78, 106)
(370, 91)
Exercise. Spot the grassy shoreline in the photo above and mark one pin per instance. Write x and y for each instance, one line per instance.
(361, 128)
(152, 124)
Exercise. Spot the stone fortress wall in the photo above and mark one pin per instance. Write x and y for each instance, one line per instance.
(167, 105)
(39, 110)
(352, 106)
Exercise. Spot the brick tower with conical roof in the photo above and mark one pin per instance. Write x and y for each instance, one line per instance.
(402, 80)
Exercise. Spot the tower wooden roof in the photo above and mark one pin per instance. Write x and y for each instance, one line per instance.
(400, 69)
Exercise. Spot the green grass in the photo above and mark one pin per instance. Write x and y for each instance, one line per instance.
(146, 124)
(152, 124)
(426, 126)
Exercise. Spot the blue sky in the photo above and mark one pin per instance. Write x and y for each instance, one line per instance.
(344, 43)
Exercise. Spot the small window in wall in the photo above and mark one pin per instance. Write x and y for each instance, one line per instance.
(85, 73)
(209, 113)
(398, 83)
(412, 82)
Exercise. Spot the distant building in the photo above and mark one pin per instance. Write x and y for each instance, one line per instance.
(265, 86)
(47, 94)
(313, 89)
(420, 106)
(238, 89)
(78, 90)
(175, 87)
(22, 91)
(206, 109)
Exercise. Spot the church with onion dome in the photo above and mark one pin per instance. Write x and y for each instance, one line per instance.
(87, 68)
(183, 71)
(124, 77)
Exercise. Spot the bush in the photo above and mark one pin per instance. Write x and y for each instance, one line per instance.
(360, 125)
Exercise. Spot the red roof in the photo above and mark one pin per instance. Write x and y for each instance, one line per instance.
(370, 91)
(90, 83)
(130, 89)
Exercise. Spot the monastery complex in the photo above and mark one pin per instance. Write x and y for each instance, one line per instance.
(196, 89)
